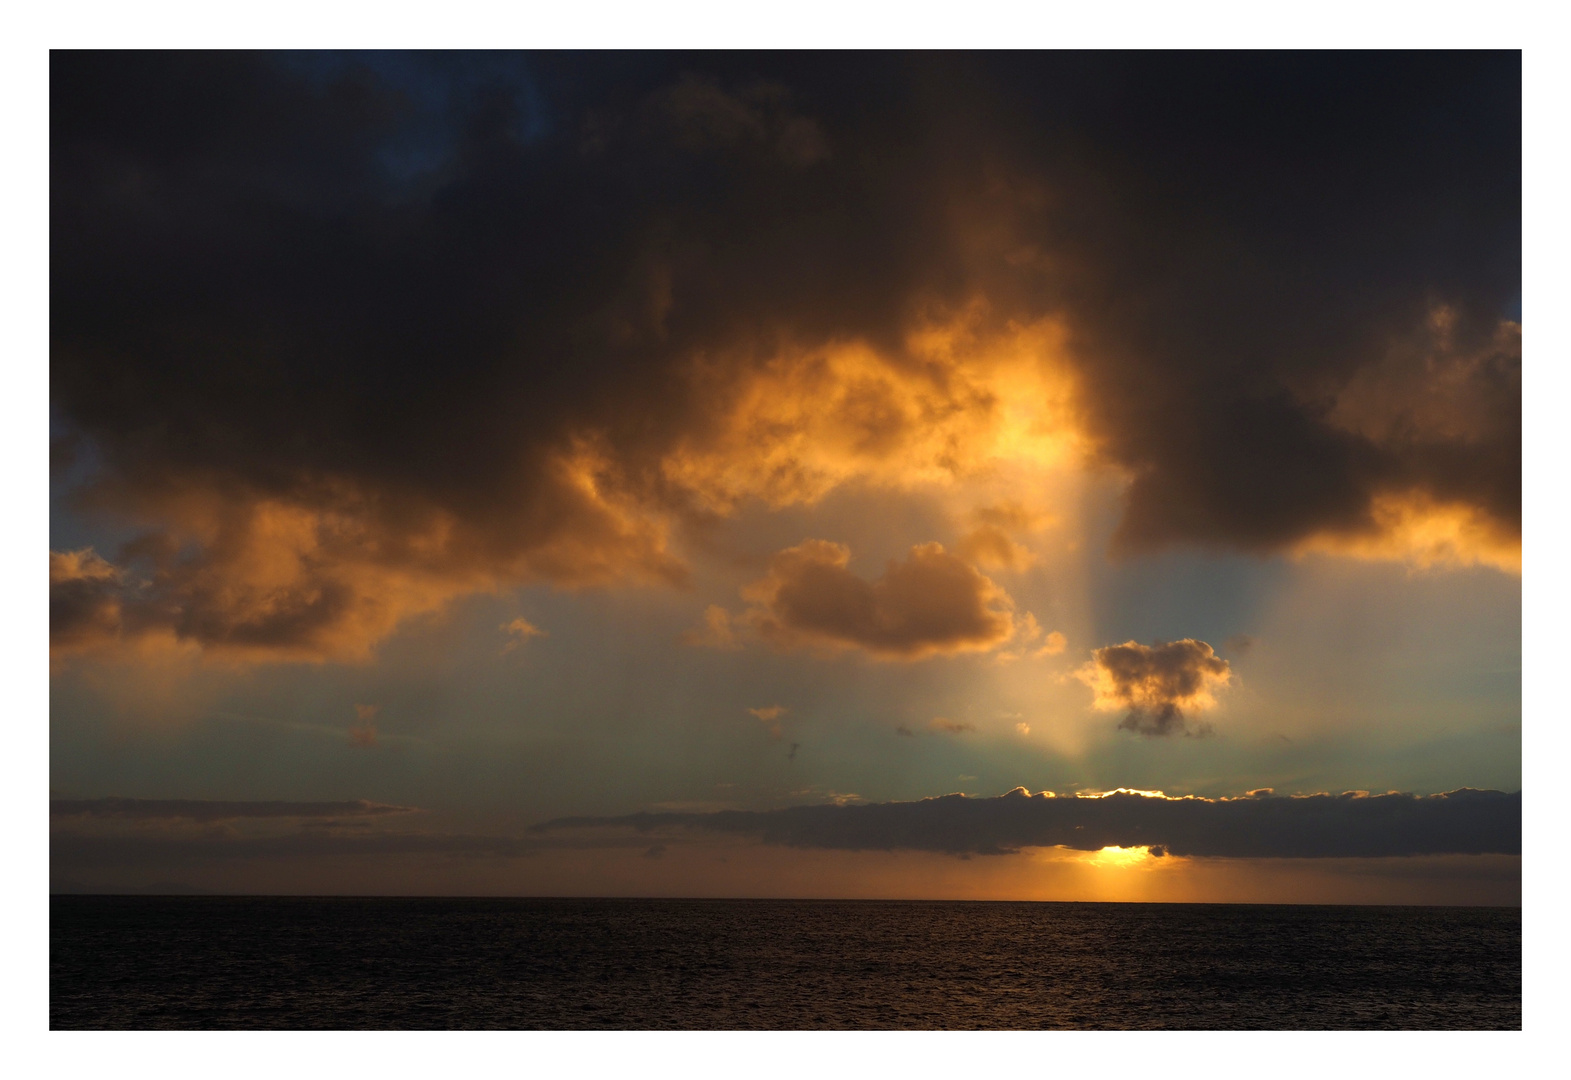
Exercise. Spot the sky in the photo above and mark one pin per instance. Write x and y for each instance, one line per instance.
(1013, 476)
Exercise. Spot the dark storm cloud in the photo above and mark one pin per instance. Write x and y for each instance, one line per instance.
(84, 599)
(351, 336)
(218, 810)
(1466, 821)
(1286, 221)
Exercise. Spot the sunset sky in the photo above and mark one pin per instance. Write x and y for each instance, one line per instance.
(769, 474)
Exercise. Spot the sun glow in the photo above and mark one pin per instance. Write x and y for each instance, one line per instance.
(964, 403)
(1426, 534)
(1121, 857)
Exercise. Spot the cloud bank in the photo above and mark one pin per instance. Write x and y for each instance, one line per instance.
(205, 810)
(1260, 825)
(346, 337)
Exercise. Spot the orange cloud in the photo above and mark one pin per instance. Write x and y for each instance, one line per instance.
(1414, 528)
(332, 432)
(991, 542)
(963, 399)
(1028, 630)
(770, 715)
(520, 630)
(1157, 683)
(1445, 400)
(717, 631)
(931, 604)
(328, 574)
(991, 546)
(84, 600)
(333, 565)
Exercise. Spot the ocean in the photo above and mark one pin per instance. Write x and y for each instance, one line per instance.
(202, 962)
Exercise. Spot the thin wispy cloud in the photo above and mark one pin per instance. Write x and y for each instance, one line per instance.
(219, 809)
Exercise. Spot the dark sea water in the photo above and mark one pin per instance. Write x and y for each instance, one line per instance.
(274, 962)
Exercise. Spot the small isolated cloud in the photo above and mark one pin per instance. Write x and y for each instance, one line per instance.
(519, 631)
(1024, 729)
(1239, 644)
(770, 715)
(1054, 644)
(363, 734)
(931, 604)
(1029, 630)
(717, 632)
(951, 727)
(1157, 683)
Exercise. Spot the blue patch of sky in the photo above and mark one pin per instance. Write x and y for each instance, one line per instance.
(69, 530)
(436, 88)
(1181, 594)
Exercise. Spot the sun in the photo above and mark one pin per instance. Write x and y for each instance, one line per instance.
(1119, 857)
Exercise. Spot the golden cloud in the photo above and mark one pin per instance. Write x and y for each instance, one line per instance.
(717, 631)
(330, 569)
(932, 603)
(543, 374)
(519, 631)
(1412, 527)
(961, 400)
(1027, 631)
(1447, 403)
(329, 574)
(770, 716)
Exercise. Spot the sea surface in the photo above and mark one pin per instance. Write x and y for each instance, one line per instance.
(288, 962)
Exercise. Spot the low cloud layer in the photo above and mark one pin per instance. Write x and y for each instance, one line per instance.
(928, 604)
(1159, 684)
(203, 810)
(1261, 825)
